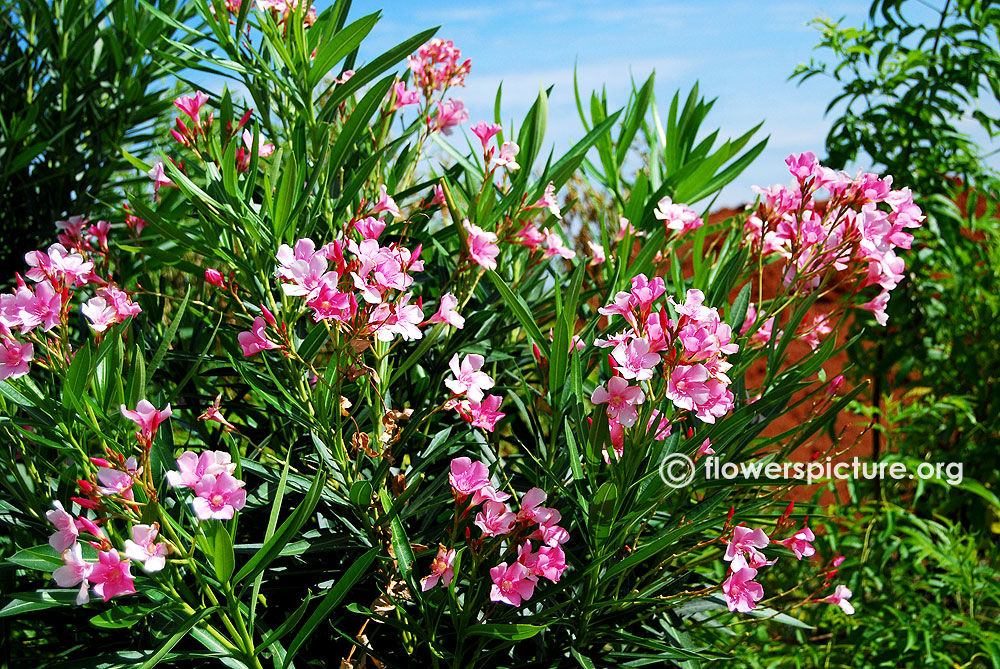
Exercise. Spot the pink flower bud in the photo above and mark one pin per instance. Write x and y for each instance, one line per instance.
(214, 277)
(268, 316)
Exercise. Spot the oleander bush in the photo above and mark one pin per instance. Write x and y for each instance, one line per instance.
(348, 381)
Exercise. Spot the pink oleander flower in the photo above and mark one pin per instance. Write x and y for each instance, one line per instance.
(111, 576)
(597, 255)
(802, 166)
(530, 236)
(370, 227)
(192, 468)
(834, 386)
(403, 97)
(677, 217)
(450, 113)
(43, 307)
(218, 497)
(147, 417)
(621, 399)
(100, 314)
(550, 533)
(401, 318)
(386, 203)
(119, 300)
(507, 155)
(14, 358)
(446, 312)
(141, 548)
(159, 178)
(485, 131)
(75, 570)
(255, 341)
(531, 503)
(799, 543)
(741, 591)
(483, 247)
(191, 105)
(467, 477)
(215, 277)
(66, 529)
(549, 562)
(548, 201)
(442, 569)
(554, 246)
(495, 519)
(485, 414)
(687, 388)
(840, 597)
(488, 492)
(634, 360)
(99, 231)
(511, 584)
(877, 306)
(330, 303)
(745, 542)
(116, 481)
(439, 198)
(706, 448)
(436, 65)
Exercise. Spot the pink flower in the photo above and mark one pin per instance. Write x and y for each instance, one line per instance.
(450, 113)
(446, 312)
(467, 477)
(469, 380)
(834, 386)
(264, 150)
(621, 399)
(506, 158)
(218, 497)
(192, 105)
(330, 303)
(511, 584)
(147, 417)
(214, 277)
(66, 529)
(100, 313)
(117, 481)
(530, 236)
(548, 201)
(877, 306)
(677, 216)
(485, 131)
(159, 178)
(254, 341)
(549, 562)
(191, 467)
(554, 247)
(705, 448)
(687, 388)
(386, 203)
(111, 576)
(483, 247)
(634, 360)
(74, 570)
(442, 569)
(14, 358)
(436, 65)
(742, 591)
(119, 300)
(485, 414)
(495, 519)
(439, 198)
(370, 227)
(142, 549)
(799, 543)
(403, 96)
(802, 166)
(597, 255)
(746, 542)
(840, 597)
(40, 308)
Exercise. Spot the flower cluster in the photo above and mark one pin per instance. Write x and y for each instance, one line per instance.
(57, 273)
(692, 348)
(436, 65)
(502, 530)
(218, 494)
(470, 381)
(855, 231)
(193, 135)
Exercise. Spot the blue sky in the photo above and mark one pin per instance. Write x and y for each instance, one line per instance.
(740, 52)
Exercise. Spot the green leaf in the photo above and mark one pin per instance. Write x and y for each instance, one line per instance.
(506, 631)
(330, 602)
(41, 558)
(123, 615)
(179, 633)
(168, 337)
(25, 602)
(330, 52)
(521, 312)
(223, 558)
